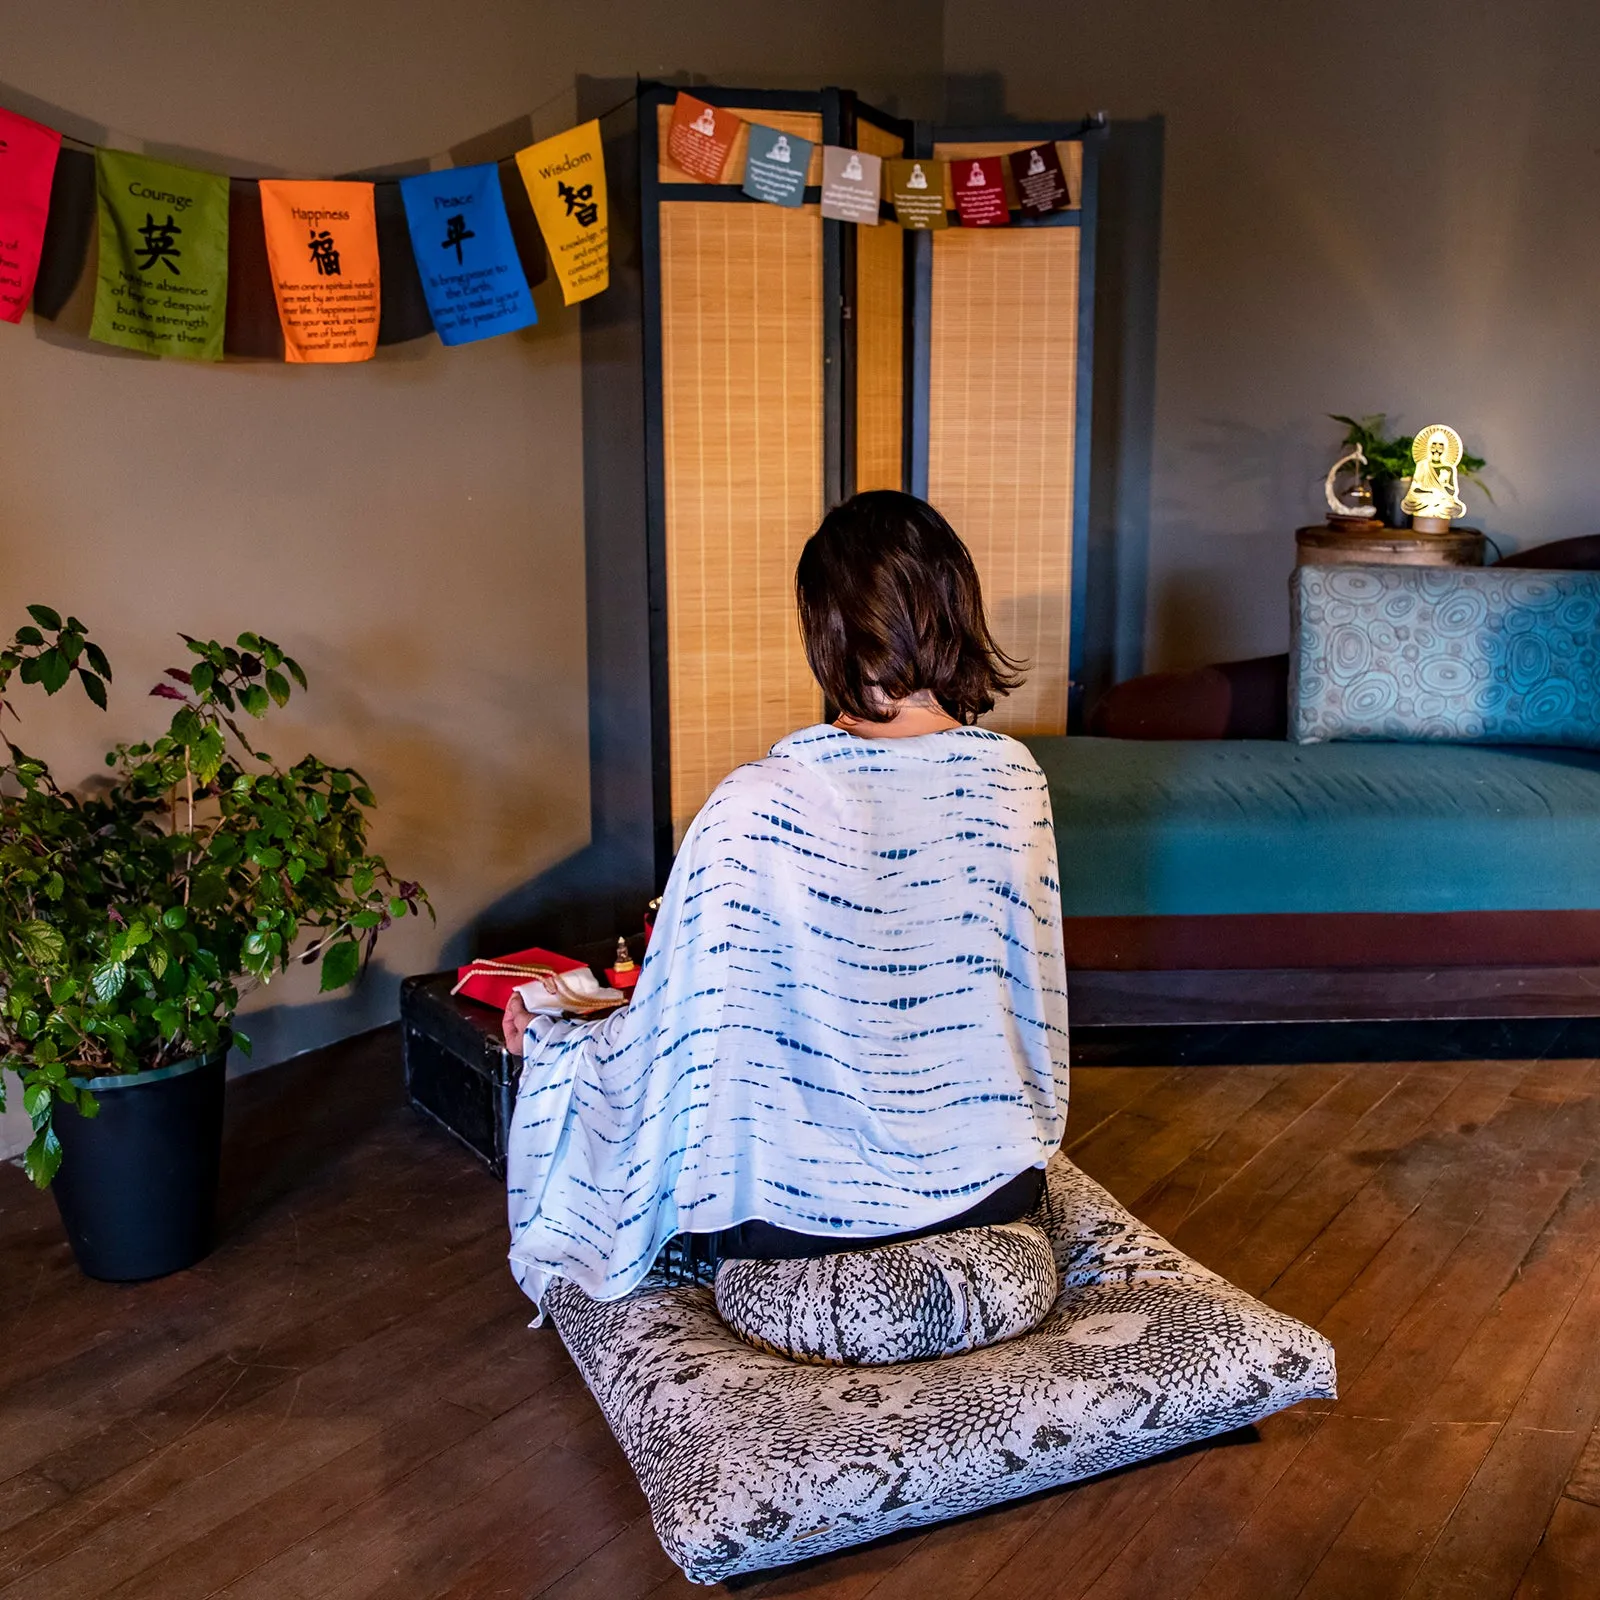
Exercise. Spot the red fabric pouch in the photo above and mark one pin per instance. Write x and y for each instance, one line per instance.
(480, 982)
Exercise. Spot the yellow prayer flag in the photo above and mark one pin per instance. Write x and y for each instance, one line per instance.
(566, 179)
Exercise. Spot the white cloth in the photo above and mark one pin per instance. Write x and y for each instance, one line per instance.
(580, 984)
(852, 1018)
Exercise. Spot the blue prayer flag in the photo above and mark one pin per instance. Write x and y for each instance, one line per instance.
(471, 275)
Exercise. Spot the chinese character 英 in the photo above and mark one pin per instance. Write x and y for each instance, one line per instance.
(324, 255)
(580, 203)
(457, 230)
(160, 243)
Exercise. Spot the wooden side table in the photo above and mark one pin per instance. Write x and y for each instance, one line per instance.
(1332, 544)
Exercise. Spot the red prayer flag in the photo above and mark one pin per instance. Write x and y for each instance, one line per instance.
(28, 153)
(700, 138)
(980, 190)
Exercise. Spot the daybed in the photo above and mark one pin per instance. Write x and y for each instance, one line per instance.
(1236, 877)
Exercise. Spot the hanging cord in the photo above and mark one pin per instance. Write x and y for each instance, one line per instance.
(639, 84)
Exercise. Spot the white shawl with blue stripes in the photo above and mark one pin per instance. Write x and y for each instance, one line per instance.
(852, 1019)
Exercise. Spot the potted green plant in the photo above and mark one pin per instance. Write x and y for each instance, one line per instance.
(1389, 464)
(136, 913)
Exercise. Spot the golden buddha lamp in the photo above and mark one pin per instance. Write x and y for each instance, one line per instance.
(1434, 498)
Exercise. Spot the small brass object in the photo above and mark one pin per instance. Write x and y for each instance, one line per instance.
(1434, 497)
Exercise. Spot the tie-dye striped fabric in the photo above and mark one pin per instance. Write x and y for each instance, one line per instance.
(852, 1019)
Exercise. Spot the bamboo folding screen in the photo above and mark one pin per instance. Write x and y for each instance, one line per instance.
(1002, 414)
(791, 361)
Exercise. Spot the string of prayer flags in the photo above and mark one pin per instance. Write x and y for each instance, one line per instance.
(322, 245)
(28, 154)
(566, 181)
(1040, 182)
(163, 278)
(920, 193)
(700, 137)
(471, 274)
(775, 168)
(851, 184)
(980, 191)
(250, 326)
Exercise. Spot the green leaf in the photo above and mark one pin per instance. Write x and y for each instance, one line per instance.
(175, 916)
(97, 660)
(42, 1159)
(41, 943)
(361, 880)
(295, 671)
(27, 635)
(35, 1098)
(54, 670)
(249, 641)
(340, 964)
(278, 686)
(107, 981)
(254, 699)
(296, 869)
(46, 618)
(207, 754)
(88, 1106)
(202, 676)
(93, 687)
(243, 1042)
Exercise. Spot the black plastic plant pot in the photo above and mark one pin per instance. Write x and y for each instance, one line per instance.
(137, 1188)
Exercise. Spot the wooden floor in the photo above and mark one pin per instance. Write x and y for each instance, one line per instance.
(345, 1400)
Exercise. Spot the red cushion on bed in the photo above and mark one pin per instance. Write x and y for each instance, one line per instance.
(1563, 555)
(1232, 700)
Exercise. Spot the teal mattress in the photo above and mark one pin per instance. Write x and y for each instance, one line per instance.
(1207, 827)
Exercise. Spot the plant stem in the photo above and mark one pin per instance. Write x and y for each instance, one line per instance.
(188, 859)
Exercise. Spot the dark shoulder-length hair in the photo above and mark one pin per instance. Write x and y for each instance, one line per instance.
(889, 600)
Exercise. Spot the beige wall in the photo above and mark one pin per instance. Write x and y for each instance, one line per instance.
(1367, 206)
(411, 529)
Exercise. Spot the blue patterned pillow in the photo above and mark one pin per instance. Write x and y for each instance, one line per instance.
(1470, 654)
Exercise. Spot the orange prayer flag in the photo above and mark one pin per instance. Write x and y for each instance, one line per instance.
(322, 244)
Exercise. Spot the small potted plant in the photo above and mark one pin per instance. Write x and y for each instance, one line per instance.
(1389, 465)
(135, 914)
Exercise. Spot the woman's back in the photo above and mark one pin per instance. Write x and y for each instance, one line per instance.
(852, 1019)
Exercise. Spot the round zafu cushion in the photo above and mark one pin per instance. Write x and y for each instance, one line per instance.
(938, 1296)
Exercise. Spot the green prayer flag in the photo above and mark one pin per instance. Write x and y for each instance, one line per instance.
(163, 279)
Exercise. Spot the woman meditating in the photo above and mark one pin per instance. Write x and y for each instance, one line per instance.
(851, 1023)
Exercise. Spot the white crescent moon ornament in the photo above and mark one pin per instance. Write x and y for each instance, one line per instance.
(1336, 506)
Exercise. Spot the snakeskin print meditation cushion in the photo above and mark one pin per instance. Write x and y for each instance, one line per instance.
(938, 1296)
(1463, 653)
(750, 1460)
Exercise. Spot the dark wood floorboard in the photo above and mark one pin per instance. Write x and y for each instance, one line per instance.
(344, 1402)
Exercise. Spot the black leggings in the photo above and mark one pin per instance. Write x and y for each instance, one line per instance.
(762, 1241)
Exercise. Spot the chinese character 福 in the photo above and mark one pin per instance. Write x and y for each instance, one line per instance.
(324, 255)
